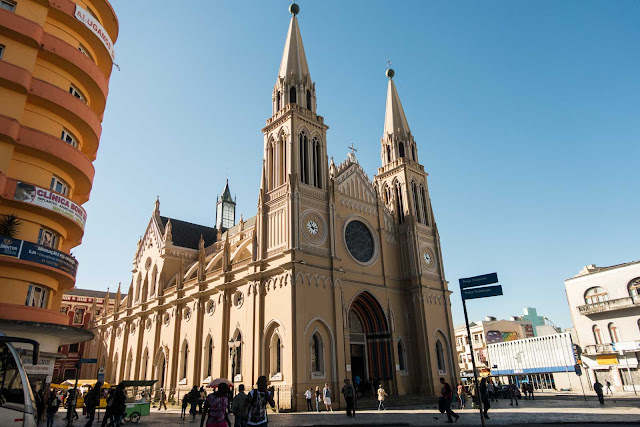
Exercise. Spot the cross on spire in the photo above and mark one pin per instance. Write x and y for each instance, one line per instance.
(352, 148)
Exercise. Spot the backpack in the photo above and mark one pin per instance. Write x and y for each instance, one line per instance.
(348, 391)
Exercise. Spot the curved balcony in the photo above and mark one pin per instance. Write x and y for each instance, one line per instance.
(33, 314)
(108, 15)
(20, 28)
(79, 65)
(14, 77)
(610, 305)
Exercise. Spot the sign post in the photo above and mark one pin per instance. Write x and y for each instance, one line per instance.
(72, 405)
(472, 288)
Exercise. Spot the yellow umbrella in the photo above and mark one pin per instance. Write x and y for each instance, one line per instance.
(83, 383)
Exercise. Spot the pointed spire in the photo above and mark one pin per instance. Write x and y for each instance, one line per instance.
(118, 297)
(106, 302)
(94, 308)
(294, 61)
(395, 122)
(156, 206)
(226, 194)
(168, 237)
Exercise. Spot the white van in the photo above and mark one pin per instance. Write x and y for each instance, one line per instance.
(17, 405)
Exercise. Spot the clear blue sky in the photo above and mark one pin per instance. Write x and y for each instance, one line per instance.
(526, 114)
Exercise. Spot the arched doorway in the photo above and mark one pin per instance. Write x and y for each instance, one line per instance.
(370, 339)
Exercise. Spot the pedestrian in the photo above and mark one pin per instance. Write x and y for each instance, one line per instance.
(258, 400)
(326, 397)
(39, 405)
(215, 407)
(462, 399)
(530, 386)
(381, 395)
(492, 391)
(513, 393)
(71, 400)
(91, 402)
(163, 400)
(116, 407)
(240, 408)
(445, 401)
(609, 391)
(318, 396)
(185, 405)
(524, 390)
(484, 397)
(349, 392)
(597, 387)
(194, 398)
(308, 394)
(53, 404)
(356, 382)
(203, 396)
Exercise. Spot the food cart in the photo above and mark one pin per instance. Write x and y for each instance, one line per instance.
(138, 399)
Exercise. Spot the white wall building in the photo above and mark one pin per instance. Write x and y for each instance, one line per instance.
(605, 307)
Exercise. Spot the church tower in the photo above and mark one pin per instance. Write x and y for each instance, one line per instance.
(225, 210)
(295, 151)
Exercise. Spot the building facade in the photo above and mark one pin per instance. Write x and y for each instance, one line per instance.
(488, 331)
(605, 308)
(81, 306)
(337, 275)
(55, 61)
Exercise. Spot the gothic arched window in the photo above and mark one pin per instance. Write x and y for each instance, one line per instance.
(238, 356)
(442, 366)
(309, 100)
(416, 204)
(304, 156)
(413, 153)
(401, 149)
(401, 356)
(317, 179)
(275, 355)
(292, 95)
(399, 204)
(208, 356)
(388, 154)
(278, 101)
(185, 359)
(317, 354)
(425, 211)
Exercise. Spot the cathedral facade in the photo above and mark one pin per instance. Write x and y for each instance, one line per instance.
(337, 276)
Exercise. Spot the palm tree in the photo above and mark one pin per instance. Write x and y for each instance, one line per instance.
(9, 225)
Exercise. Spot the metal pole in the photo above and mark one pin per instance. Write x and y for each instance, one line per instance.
(585, 396)
(72, 405)
(629, 371)
(473, 361)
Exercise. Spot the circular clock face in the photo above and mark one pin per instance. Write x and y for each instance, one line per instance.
(427, 258)
(312, 227)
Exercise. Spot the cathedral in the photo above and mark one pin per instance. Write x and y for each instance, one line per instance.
(336, 276)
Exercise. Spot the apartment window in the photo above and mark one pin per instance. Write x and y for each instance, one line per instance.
(1, 50)
(634, 288)
(63, 309)
(69, 138)
(595, 295)
(48, 238)
(85, 52)
(76, 92)
(78, 316)
(37, 296)
(8, 5)
(59, 186)
(73, 348)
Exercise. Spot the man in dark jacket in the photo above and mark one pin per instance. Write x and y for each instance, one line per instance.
(116, 406)
(349, 394)
(446, 397)
(194, 398)
(597, 387)
(91, 402)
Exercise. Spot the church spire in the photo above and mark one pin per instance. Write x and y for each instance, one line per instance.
(397, 141)
(294, 85)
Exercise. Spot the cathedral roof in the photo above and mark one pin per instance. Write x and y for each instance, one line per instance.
(395, 122)
(294, 61)
(88, 293)
(187, 235)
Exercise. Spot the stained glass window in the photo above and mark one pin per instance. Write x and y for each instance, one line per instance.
(359, 241)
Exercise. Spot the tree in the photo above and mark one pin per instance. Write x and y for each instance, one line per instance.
(9, 225)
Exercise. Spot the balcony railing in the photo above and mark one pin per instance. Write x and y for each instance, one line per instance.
(594, 350)
(610, 305)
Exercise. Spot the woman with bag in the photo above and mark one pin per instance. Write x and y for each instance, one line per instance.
(215, 408)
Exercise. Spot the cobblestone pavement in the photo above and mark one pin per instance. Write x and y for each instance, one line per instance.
(547, 410)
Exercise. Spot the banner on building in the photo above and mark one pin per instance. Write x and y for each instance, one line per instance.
(92, 23)
(38, 254)
(47, 199)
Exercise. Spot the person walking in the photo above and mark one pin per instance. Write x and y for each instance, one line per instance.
(381, 395)
(597, 387)
(491, 390)
(484, 397)
(318, 397)
(609, 391)
(258, 400)
(53, 404)
(215, 407)
(116, 407)
(513, 393)
(162, 400)
(240, 408)
(349, 392)
(524, 390)
(202, 397)
(91, 402)
(307, 395)
(530, 386)
(326, 396)
(445, 398)
(462, 399)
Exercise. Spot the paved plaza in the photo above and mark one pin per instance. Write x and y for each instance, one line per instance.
(545, 410)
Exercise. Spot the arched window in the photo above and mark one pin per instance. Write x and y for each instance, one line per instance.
(129, 366)
(292, 95)
(613, 332)
(425, 210)
(115, 369)
(634, 288)
(304, 155)
(399, 203)
(278, 101)
(138, 284)
(401, 149)
(317, 175)
(185, 359)
(275, 355)
(309, 100)
(388, 153)
(208, 357)
(442, 365)
(595, 295)
(317, 354)
(401, 356)
(386, 194)
(416, 202)
(597, 335)
(145, 363)
(413, 153)
(237, 358)
(154, 280)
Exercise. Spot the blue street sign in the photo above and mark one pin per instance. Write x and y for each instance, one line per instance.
(487, 291)
(485, 279)
(88, 360)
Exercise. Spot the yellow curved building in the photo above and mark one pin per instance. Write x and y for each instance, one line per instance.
(56, 57)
